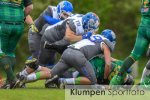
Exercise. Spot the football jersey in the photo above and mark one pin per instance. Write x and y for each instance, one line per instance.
(91, 47)
(57, 32)
(50, 11)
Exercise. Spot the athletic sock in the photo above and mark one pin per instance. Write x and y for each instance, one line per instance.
(146, 72)
(78, 80)
(31, 77)
(75, 74)
(68, 80)
(73, 81)
(126, 65)
(38, 75)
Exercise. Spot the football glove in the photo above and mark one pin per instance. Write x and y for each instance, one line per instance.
(33, 28)
(53, 46)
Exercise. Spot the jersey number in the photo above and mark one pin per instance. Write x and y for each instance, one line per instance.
(78, 23)
(96, 38)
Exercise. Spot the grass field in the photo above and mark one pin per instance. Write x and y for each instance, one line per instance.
(34, 91)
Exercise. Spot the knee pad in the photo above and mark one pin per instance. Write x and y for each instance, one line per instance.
(148, 65)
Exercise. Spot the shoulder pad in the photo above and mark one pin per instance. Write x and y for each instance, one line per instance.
(109, 44)
(54, 11)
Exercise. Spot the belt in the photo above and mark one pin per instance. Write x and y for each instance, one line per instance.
(11, 23)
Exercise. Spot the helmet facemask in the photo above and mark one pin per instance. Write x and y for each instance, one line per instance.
(63, 15)
(64, 9)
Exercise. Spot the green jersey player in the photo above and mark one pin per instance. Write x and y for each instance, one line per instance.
(141, 44)
(11, 29)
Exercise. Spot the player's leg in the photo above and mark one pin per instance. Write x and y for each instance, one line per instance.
(145, 80)
(87, 71)
(28, 69)
(82, 80)
(146, 71)
(12, 37)
(45, 55)
(37, 76)
(97, 63)
(75, 81)
(31, 66)
(34, 40)
(58, 69)
(4, 38)
(137, 52)
(78, 60)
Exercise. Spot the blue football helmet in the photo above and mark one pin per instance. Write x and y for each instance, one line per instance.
(64, 9)
(90, 22)
(110, 35)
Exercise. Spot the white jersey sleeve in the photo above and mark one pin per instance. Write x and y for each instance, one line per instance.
(82, 43)
(102, 40)
(75, 23)
(54, 11)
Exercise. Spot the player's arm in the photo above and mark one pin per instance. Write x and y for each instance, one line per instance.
(50, 20)
(28, 19)
(70, 35)
(30, 22)
(62, 44)
(107, 57)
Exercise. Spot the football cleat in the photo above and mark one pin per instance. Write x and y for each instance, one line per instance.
(52, 82)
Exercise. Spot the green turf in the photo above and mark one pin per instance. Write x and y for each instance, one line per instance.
(34, 91)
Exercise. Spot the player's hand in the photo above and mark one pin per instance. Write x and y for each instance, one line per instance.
(87, 35)
(48, 45)
(148, 52)
(59, 48)
(33, 28)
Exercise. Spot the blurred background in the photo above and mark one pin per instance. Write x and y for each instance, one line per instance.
(122, 16)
